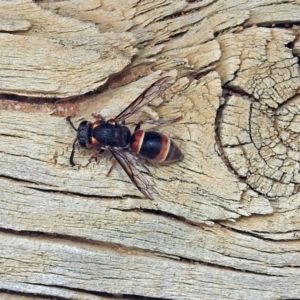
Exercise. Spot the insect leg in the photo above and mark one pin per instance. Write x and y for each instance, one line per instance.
(96, 155)
(114, 162)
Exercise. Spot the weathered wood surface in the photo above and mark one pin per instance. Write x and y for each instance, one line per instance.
(226, 224)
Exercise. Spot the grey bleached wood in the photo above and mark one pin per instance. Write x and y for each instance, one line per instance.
(114, 224)
(76, 234)
(14, 25)
(98, 268)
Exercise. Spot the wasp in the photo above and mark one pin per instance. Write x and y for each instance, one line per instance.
(114, 136)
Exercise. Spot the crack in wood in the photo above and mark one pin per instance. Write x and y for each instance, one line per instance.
(31, 295)
(121, 249)
(258, 235)
(82, 194)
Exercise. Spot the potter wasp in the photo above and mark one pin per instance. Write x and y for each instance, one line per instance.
(114, 136)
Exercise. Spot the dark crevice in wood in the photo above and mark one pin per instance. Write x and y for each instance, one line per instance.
(172, 16)
(229, 90)
(238, 92)
(77, 241)
(54, 103)
(179, 34)
(290, 45)
(102, 294)
(178, 218)
(56, 106)
(258, 235)
(96, 197)
(215, 265)
(31, 295)
(277, 24)
(199, 74)
(29, 99)
(86, 292)
(168, 215)
(19, 180)
(12, 135)
(284, 103)
(165, 214)
(120, 248)
(219, 145)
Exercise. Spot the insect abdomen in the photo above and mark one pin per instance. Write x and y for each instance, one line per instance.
(155, 146)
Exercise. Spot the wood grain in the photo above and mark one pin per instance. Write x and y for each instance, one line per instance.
(64, 57)
(226, 222)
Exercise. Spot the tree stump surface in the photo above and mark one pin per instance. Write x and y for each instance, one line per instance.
(226, 222)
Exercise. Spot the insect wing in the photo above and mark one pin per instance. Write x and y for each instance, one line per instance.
(126, 160)
(148, 95)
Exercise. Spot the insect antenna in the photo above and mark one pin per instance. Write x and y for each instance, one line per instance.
(74, 143)
(72, 153)
(71, 123)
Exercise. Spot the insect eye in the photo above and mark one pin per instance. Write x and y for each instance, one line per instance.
(84, 133)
